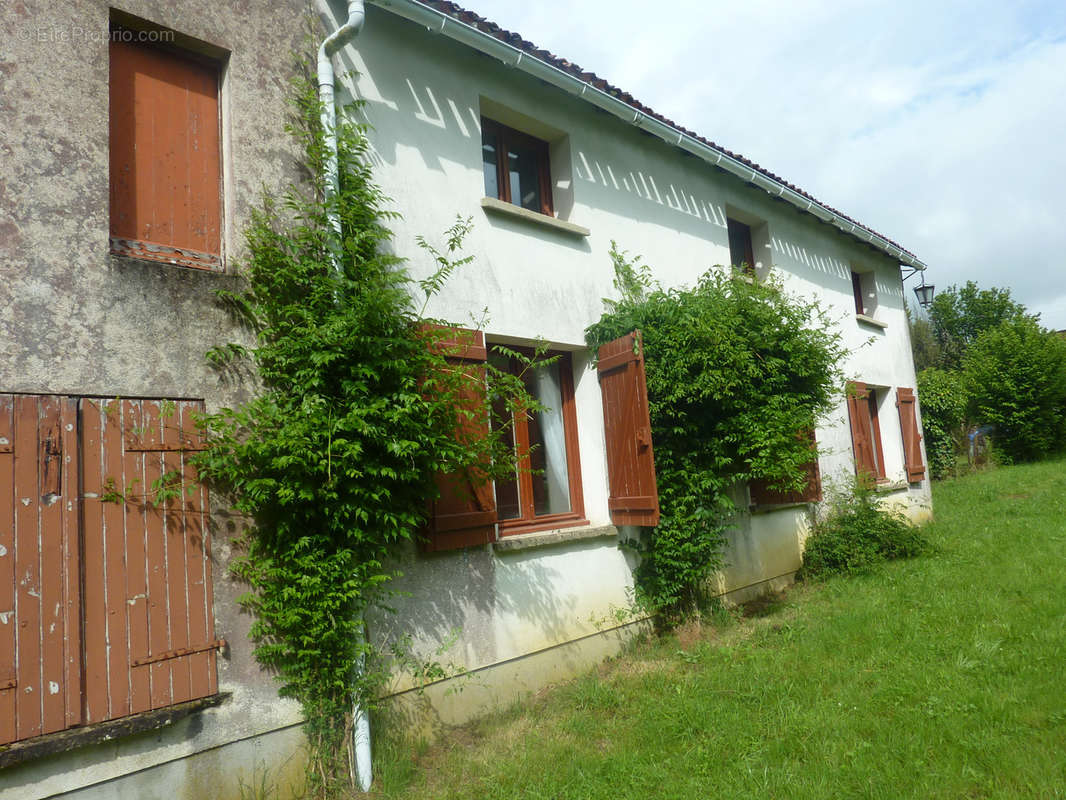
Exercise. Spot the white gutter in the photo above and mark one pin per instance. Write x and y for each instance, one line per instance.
(512, 56)
(334, 42)
(360, 745)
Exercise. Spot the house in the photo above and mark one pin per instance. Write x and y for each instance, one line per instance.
(138, 138)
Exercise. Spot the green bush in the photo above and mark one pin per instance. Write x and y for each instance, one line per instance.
(1016, 380)
(735, 369)
(856, 534)
(943, 398)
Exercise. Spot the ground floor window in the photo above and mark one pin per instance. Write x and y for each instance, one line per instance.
(546, 488)
(866, 432)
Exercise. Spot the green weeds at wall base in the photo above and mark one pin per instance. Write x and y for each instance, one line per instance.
(856, 534)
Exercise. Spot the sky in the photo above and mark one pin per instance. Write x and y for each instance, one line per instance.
(941, 124)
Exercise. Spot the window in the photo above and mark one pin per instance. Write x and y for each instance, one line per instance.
(865, 432)
(546, 491)
(741, 254)
(165, 155)
(111, 613)
(762, 494)
(546, 488)
(516, 167)
(864, 290)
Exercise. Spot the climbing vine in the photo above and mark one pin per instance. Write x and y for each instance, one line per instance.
(736, 369)
(334, 458)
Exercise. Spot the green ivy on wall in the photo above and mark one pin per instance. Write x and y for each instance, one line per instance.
(736, 368)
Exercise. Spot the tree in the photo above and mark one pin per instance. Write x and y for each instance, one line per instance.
(960, 315)
(1015, 375)
(924, 345)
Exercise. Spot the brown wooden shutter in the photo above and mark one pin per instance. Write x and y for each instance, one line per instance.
(862, 447)
(634, 496)
(149, 621)
(912, 438)
(40, 634)
(763, 495)
(165, 156)
(465, 513)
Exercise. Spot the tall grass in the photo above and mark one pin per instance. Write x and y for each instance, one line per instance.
(937, 677)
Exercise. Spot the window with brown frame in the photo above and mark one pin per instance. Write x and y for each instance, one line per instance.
(546, 488)
(856, 291)
(864, 290)
(516, 167)
(165, 161)
(865, 432)
(741, 253)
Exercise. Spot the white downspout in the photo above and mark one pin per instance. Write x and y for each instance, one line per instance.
(334, 42)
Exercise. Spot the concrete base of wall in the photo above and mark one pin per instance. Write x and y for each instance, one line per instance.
(426, 714)
(229, 772)
(458, 700)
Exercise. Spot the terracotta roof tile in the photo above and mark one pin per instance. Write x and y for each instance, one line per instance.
(592, 79)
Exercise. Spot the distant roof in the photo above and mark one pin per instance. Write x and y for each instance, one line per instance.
(516, 41)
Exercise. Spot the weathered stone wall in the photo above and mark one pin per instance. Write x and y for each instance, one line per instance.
(76, 320)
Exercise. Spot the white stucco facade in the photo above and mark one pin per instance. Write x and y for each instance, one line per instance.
(424, 96)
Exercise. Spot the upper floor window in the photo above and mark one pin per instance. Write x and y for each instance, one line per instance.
(741, 253)
(864, 290)
(166, 199)
(516, 167)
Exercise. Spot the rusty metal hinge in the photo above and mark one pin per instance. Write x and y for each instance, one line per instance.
(218, 644)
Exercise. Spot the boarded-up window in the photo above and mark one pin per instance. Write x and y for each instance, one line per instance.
(865, 432)
(165, 163)
(105, 593)
(634, 496)
(763, 495)
(465, 512)
(912, 437)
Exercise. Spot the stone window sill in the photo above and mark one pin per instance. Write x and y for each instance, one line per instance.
(526, 541)
(893, 486)
(766, 508)
(491, 204)
(875, 323)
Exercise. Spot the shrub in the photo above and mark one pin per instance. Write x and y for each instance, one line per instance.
(735, 370)
(856, 534)
(943, 398)
(1016, 380)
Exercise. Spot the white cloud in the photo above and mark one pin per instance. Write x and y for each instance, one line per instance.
(941, 125)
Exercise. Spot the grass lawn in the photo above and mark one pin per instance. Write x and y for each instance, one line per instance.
(939, 677)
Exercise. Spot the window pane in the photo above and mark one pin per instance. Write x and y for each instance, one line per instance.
(507, 505)
(875, 440)
(524, 177)
(488, 162)
(547, 440)
(740, 250)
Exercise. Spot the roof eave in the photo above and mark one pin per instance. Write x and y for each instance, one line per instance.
(439, 22)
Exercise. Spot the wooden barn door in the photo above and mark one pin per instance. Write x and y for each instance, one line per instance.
(40, 645)
(105, 572)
